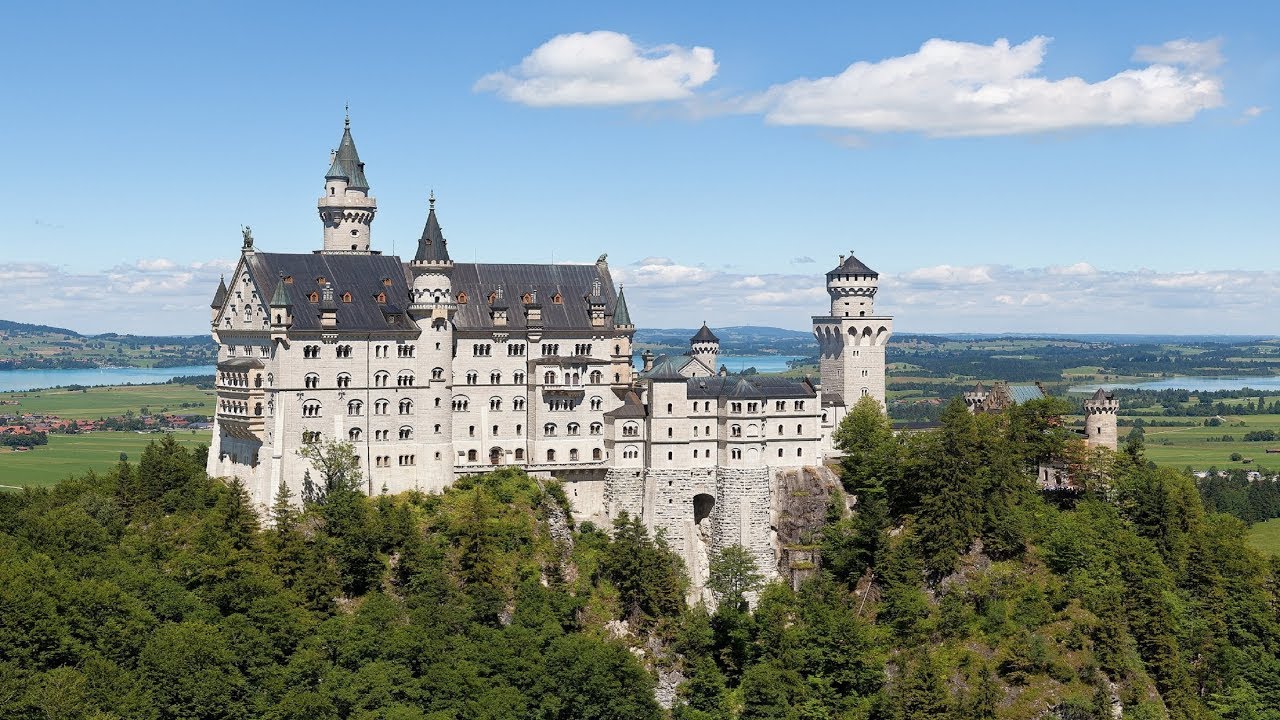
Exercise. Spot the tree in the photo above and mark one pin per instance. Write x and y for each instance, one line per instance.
(733, 574)
(338, 466)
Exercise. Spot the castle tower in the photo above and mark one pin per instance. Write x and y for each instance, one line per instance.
(852, 339)
(432, 307)
(219, 299)
(705, 347)
(623, 370)
(346, 208)
(1100, 412)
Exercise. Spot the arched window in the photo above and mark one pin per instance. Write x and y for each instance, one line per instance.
(549, 429)
(406, 433)
(549, 378)
(735, 431)
(472, 455)
(518, 378)
(460, 403)
(596, 428)
(573, 454)
(311, 408)
(437, 428)
(495, 403)
(517, 403)
(779, 430)
(799, 429)
(596, 377)
(595, 454)
(354, 407)
(630, 429)
(380, 378)
(257, 409)
(344, 380)
(353, 434)
(437, 373)
(519, 453)
(462, 298)
(312, 380)
(551, 456)
(571, 428)
(495, 378)
(596, 403)
(406, 407)
(405, 378)
(472, 377)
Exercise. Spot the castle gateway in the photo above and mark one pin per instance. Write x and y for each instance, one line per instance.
(433, 369)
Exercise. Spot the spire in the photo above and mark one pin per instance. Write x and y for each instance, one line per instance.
(432, 246)
(704, 335)
(346, 161)
(620, 314)
(280, 298)
(220, 296)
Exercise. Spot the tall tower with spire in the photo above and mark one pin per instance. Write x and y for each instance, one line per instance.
(432, 307)
(346, 208)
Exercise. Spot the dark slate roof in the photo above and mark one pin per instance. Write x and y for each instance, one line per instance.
(852, 266)
(631, 407)
(665, 368)
(346, 162)
(240, 364)
(753, 387)
(621, 316)
(432, 246)
(572, 282)
(219, 296)
(361, 275)
(1101, 396)
(704, 335)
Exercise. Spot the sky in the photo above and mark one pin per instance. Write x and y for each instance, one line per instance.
(1006, 167)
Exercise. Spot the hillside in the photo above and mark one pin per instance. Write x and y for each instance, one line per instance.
(955, 591)
(25, 346)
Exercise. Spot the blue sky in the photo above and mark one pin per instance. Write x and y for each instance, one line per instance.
(1005, 166)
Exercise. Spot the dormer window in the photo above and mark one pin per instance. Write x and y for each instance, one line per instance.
(462, 298)
(493, 297)
(314, 297)
(346, 297)
(288, 279)
(386, 282)
(557, 299)
(382, 298)
(320, 280)
(527, 299)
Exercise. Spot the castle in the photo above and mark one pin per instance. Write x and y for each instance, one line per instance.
(433, 369)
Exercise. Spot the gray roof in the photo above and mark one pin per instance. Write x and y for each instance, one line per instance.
(220, 296)
(621, 316)
(665, 368)
(704, 335)
(1024, 392)
(346, 162)
(361, 275)
(571, 282)
(753, 387)
(280, 298)
(631, 407)
(852, 266)
(432, 246)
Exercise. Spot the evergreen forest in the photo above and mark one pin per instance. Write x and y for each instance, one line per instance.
(947, 587)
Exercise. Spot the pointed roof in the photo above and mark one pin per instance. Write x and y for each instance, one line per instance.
(220, 296)
(346, 162)
(665, 369)
(621, 316)
(432, 247)
(852, 266)
(744, 389)
(280, 298)
(704, 335)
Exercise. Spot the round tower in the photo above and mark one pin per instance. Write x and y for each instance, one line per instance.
(852, 287)
(432, 307)
(705, 347)
(1100, 412)
(346, 208)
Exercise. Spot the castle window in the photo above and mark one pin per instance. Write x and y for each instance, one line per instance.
(595, 454)
(557, 299)
(551, 456)
(519, 430)
(344, 380)
(596, 428)
(779, 430)
(404, 351)
(495, 431)
(288, 279)
(406, 407)
(630, 430)
(382, 298)
(670, 432)
(596, 403)
(670, 456)
(310, 436)
(780, 405)
(549, 378)
(573, 454)
(386, 281)
(495, 378)
(473, 456)
(596, 377)
(735, 431)
(472, 377)
(518, 378)
(353, 434)
(311, 408)
(799, 404)
(380, 407)
(517, 403)
(320, 280)
(312, 380)
(406, 433)
(355, 407)
(670, 408)
(462, 298)
(519, 453)
(314, 297)
(571, 429)
(779, 452)
(736, 454)
(799, 429)
(549, 430)
(405, 379)
(799, 452)
(437, 373)
(257, 409)
(437, 429)
(460, 404)
(495, 403)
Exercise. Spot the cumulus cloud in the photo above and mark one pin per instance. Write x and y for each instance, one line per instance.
(602, 68)
(950, 275)
(803, 260)
(950, 88)
(149, 296)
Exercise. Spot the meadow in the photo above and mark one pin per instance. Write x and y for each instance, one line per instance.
(1265, 537)
(100, 402)
(74, 454)
(1202, 447)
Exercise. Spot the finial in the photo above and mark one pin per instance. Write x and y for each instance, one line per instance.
(431, 199)
(247, 234)
(346, 113)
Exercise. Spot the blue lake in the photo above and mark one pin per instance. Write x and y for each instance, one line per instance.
(737, 363)
(1208, 384)
(31, 379)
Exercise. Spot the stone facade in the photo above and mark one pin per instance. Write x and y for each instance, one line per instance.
(433, 369)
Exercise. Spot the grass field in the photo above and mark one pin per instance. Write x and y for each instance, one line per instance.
(73, 454)
(1183, 446)
(1265, 537)
(98, 402)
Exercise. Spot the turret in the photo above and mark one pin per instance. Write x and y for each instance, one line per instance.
(852, 287)
(432, 268)
(432, 307)
(1100, 420)
(705, 347)
(219, 299)
(346, 208)
(623, 370)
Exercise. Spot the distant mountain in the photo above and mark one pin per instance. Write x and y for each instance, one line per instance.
(17, 327)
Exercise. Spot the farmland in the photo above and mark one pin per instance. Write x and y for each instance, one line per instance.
(1265, 536)
(99, 402)
(73, 454)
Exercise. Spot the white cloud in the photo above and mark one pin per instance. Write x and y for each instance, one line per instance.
(1205, 55)
(950, 275)
(1080, 268)
(602, 68)
(750, 281)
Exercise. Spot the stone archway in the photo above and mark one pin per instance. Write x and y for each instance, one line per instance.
(703, 504)
(495, 456)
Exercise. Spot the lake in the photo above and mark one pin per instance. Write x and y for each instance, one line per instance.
(31, 379)
(1209, 384)
(736, 363)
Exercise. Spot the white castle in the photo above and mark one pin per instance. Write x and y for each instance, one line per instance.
(433, 369)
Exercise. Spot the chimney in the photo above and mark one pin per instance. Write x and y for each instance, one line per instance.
(648, 361)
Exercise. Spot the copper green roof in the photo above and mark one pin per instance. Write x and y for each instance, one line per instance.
(280, 298)
(620, 314)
